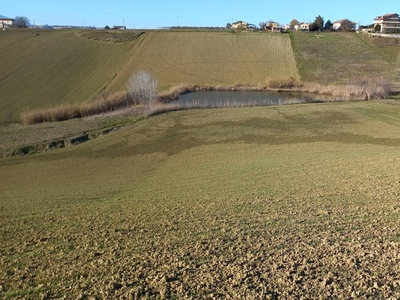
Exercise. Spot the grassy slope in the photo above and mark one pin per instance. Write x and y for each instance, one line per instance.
(340, 57)
(60, 67)
(212, 58)
(53, 67)
(286, 201)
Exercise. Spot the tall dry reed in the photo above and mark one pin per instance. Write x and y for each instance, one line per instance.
(356, 89)
(101, 104)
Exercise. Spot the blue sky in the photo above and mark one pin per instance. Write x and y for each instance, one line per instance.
(160, 13)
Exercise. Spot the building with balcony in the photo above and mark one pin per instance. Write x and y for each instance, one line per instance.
(389, 23)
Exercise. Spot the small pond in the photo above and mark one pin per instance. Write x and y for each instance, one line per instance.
(243, 98)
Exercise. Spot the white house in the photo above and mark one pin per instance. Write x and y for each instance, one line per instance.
(6, 22)
(302, 27)
(337, 24)
(239, 25)
(388, 23)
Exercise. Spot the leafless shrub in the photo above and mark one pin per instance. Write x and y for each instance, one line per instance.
(143, 88)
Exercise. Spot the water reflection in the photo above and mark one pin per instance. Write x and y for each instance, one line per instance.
(243, 98)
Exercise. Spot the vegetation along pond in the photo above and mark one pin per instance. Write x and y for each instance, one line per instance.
(243, 98)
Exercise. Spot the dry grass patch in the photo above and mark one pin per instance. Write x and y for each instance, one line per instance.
(356, 89)
(330, 58)
(211, 58)
(101, 104)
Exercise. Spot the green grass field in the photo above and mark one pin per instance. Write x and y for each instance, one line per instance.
(268, 202)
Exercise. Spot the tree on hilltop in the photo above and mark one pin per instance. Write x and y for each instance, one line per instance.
(318, 24)
(328, 25)
(347, 25)
(21, 22)
(293, 23)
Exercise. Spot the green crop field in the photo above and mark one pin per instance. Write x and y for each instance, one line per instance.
(43, 68)
(250, 203)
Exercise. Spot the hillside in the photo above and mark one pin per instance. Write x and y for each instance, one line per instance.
(211, 58)
(42, 68)
(39, 68)
(329, 57)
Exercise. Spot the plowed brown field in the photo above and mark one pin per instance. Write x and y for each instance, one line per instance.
(295, 202)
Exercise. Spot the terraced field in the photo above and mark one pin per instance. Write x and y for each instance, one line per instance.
(286, 202)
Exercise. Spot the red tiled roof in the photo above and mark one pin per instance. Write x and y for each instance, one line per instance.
(384, 17)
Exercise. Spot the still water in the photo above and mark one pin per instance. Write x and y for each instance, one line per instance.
(243, 98)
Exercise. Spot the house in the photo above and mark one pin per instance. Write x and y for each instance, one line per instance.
(345, 25)
(337, 24)
(6, 22)
(239, 25)
(119, 27)
(302, 27)
(272, 26)
(389, 23)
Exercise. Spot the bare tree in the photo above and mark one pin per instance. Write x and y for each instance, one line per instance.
(21, 22)
(293, 23)
(143, 88)
(347, 25)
